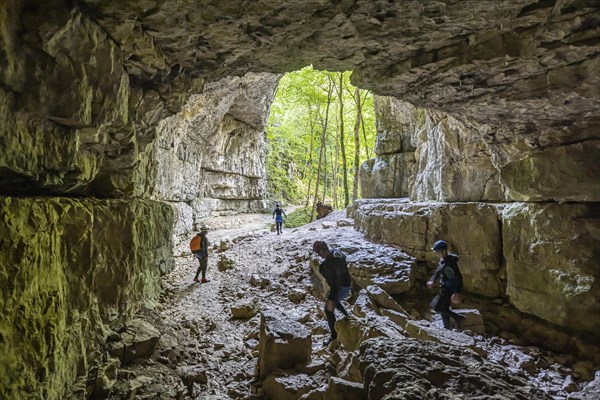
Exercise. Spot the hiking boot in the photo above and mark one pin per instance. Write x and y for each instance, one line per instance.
(196, 280)
(204, 280)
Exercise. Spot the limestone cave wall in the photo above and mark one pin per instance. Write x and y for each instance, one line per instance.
(210, 157)
(72, 271)
(524, 231)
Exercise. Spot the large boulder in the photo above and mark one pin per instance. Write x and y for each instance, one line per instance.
(283, 343)
(286, 385)
(383, 266)
(139, 341)
(472, 231)
(340, 389)
(552, 253)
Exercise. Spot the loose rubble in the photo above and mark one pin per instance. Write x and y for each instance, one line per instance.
(255, 332)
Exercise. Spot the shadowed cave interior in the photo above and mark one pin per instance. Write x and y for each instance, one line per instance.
(125, 126)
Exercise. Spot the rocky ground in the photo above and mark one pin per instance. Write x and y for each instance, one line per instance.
(246, 333)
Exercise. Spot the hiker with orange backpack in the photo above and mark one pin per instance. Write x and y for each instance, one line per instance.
(199, 248)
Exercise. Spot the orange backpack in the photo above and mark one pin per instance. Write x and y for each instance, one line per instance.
(196, 244)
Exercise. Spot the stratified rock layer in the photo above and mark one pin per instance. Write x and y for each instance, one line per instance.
(471, 229)
(283, 343)
(542, 256)
(69, 269)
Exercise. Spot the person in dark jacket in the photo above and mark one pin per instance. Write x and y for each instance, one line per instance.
(334, 269)
(202, 254)
(451, 282)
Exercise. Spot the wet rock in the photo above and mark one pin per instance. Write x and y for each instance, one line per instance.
(259, 281)
(192, 374)
(344, 222)
(287, 385)
(589, 391)
(585, 369)
(340, 389)
(384, 299)
(414, 369)
(569, 385)
(283, 343)
(473, 321)
(315, 394)
(244, 309)
(225, 263)
(297, 295)
(313, 367)
(224, 244)
(425, 330)
(517, 359)
(349, 368)
(386, 267)
(328, 224)
(139, 340)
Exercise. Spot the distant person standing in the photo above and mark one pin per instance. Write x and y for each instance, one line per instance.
(278, 214)
(334, 269)
(451, 282)
(199, 248)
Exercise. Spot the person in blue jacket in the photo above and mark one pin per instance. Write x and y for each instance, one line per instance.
(451, 282)
(278, 214)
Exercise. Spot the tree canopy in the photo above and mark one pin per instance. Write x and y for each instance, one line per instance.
(320, 129)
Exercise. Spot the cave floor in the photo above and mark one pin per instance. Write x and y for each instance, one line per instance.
(204, 353)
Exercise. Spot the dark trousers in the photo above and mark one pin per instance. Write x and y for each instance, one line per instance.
(279, 225)
(441, 304)
(336, 295)
(202, 267)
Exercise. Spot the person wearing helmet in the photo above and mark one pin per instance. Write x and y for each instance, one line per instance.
(199, 247)
(334, 269)
(451, 282)
(278, 214)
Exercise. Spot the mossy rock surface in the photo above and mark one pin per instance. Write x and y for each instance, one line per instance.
(70, 269)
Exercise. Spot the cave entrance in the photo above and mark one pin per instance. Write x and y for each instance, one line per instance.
(321, 128)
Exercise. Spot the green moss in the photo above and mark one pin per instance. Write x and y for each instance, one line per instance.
(70, 268)
(299, 217)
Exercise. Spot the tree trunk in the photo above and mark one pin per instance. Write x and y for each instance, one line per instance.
(356, 144)
(310, 156)
(342, 140)
(335, 174)
(324, 170)
(324, 129)
(362, 123)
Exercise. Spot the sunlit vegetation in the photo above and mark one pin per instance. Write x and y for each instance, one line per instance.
(321, 128)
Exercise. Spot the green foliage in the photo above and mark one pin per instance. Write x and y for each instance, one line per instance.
(299, 217)
(294, 136)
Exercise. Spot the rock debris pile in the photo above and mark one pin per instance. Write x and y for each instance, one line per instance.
(255, 331)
